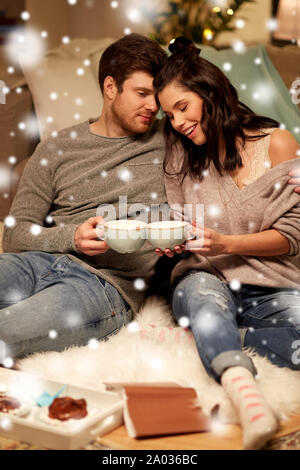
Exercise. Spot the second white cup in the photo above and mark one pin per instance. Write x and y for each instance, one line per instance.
(168, 234)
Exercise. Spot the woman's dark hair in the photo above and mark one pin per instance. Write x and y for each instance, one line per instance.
(131, 53)
(223, 114)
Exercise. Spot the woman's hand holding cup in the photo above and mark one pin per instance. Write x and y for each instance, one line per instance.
(204, 241)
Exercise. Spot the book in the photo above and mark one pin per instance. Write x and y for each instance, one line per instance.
(160, 409)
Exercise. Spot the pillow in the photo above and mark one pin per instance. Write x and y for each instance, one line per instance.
(64, 87)
(258, 83)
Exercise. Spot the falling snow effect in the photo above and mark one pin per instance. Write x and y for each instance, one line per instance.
(93, 343)
(134, 15)
(10, 221)
(125, 175)
(235, 284)
(52, 334)
(73, 135)
(80, 71)
(239, 46)
(35, 229)
(240, 23)
(133, 327)
(156, 363)
(6, 424)
(184, 322)
(12, 160)
(53, 96)
(227, 66)
(44, 161)
(27, 47)
(8, 362)
(73, 319)
(22, 126)
(214, 210)
(139, 284)
(207, 323)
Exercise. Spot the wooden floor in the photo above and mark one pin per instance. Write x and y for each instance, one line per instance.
(228, 438)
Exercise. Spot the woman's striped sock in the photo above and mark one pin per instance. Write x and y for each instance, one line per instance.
(257, 419)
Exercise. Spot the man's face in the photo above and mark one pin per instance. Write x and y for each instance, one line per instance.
(134, 109)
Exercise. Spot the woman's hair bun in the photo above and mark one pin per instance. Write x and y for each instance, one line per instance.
(183, 45)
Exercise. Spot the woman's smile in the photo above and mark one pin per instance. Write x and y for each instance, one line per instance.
(191, 131)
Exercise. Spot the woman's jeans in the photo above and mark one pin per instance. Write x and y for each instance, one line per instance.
(50, 302)
(268, 318)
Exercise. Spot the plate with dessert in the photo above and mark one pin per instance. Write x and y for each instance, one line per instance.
(55, 415)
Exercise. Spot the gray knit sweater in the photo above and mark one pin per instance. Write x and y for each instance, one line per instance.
(68, 178)
(268, 202)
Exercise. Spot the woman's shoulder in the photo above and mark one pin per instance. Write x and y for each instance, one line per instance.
(283, 146)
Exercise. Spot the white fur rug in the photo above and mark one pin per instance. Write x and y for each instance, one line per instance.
(154, 349)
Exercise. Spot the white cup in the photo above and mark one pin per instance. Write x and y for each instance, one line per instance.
(123, 236)
(168, 234)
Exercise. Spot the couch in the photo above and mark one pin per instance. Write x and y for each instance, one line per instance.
(63, 90)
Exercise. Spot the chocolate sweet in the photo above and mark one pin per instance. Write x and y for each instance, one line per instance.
(67, 408)
(8, 403)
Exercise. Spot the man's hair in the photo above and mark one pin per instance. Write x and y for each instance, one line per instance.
(131, 53)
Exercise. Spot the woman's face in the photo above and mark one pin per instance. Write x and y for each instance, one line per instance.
(184, 109)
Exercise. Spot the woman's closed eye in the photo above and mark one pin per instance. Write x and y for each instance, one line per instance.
(171, 117)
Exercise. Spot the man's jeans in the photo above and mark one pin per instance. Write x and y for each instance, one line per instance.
(270, 317)
(50, 302)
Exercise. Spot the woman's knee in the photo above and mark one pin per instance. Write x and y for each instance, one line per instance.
(203, 289)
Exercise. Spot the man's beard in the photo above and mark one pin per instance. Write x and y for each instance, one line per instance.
(129, 126)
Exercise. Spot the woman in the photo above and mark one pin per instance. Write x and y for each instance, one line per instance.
(246, 273)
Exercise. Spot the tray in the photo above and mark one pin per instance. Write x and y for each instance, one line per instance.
(105, 412)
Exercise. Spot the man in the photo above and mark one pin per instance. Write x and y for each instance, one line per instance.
(60, 285)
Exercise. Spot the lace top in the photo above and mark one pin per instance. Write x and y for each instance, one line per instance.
(260, 163)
